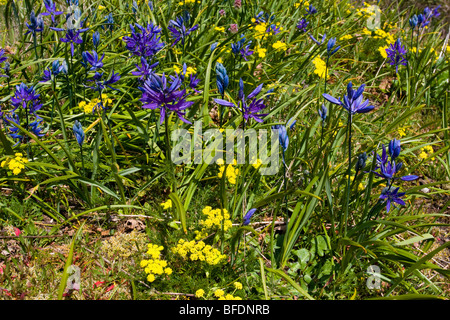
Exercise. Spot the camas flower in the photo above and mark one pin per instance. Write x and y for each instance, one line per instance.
(144, 70)
(144, 42)
(317, 42)
(221, 78)
(50, 6)
(157, 92)
(302, 25)
(391, 195)
(353, 101)
(248, 215)
(36, 24)
(330, 45)
(93, 60)
(388, 169)
(2, 58)
(248, 110)
(396, 53)
(179, 30)
(311, 10)
(323, 111)
(78, 132)
(23, 96)
(72, 36)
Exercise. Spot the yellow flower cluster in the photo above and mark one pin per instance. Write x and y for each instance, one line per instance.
(193, 251)
(94, 104)
(257, 164)
(402, 132)
(381, 34)
(199, 293)
(297, 4)
(260, 29)
(219, 293)
(346, 37)
(3, 2)
(321, 67)
(220, 29)
(425, 151)
(189, 70)
(215, 218)
(231, 172)
(280, 46)
(167, 205)
(16, 165)
(155, 266)
(187, 2)
(261, 52)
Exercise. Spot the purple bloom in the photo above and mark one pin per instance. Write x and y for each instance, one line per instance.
(248, 215)
(36, 24)
(311, 10)
(323, 113)
(353, 101)
(145, 43)
(317, 42)
(222, 79)
(72, 36)
(245, 52)
(392, 196)
(47, 75)
(233, 28)
(396, 53)
(2, 58)
(23, 96)
(157, 92)
(330, 46)
(144, 70)
(78, 132)
(394, 148)
(108, 22)
(273, 28)
(302, 25)
(179, 30)
(248, 110)
(51, 10)
(100, 85)
(93, 60)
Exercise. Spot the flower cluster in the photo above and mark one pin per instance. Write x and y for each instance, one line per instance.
(388, 170)
(95, 104)
(425, 152)
(321, 67)
(144, 42)
(16, 164)
(193, 251)
(167, 205)
(230, 172)
(155, 266)
(216, 218)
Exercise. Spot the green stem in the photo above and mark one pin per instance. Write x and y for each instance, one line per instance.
(349, 124)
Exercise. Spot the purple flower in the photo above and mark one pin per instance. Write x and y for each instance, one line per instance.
(302, 25)
(330, 45)
(392, 196)
(233, 28)
(353, 101)
(72, 36)
(23, 96)
(179, 30)
(248, 215)
(317, 42)
(157, 92)
(311, 10)
(245, 52)
(36, 24)
(248, 110)
(394, 148)
(93, 60)
(47, 75)
(100, 85)
(145, 43)
(396, 53)
(51, 10)
(144, 70)
(323, 111)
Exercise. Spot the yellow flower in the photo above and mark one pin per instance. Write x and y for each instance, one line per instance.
(220, 29)
(257, 164)
(220, 60)
(100, 7)
(151, 277)
(260, 30)
(383, 52)
(237, 285)
(199, 293)
(346, 37)
(281, 46)
(320, 65)
(167, 205)
(219, 293)
(261, 52)
(16, 165)
(402, 132)
(168, 271)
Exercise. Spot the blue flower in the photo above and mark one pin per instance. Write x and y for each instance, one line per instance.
(247, 216)
(311, 10)
(145, 70)
(248, 110)
(23, 96)
(392, 196)
(144, 42)
(330, 46)
(93, 60)
(323, 111)
(157, 92)
(317, 42)
(397, 54)
(394, 148)
(36, 24)
(79, 133)
(96, 39)
(353, 101)
(179, 30)
(73, 36)
(108, 22)
(50, 6)
(302, 25)
(221, 78)
(361, 163)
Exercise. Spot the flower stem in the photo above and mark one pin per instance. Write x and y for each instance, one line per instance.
(349, 125)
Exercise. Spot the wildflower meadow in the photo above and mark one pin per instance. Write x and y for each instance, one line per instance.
(224, 150)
